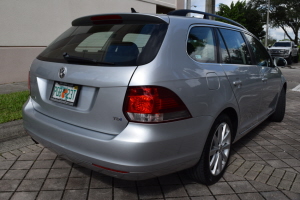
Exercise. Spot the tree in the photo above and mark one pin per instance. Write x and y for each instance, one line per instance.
(245, 14)
(283, 14)
(270, 41)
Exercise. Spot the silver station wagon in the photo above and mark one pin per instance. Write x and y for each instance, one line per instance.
(136, 96)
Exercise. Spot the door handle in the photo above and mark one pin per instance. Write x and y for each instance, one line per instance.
(237, 83)
(264, 79)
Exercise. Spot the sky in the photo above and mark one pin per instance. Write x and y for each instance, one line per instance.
(278, 34)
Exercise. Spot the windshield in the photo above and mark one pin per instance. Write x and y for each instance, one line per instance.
(282, 44)
(107, 45)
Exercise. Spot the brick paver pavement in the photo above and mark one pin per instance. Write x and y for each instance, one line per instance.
(265, 164)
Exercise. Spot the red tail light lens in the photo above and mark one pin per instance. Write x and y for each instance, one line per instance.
(154, 104)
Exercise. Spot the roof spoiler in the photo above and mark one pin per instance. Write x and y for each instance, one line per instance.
(118, 18)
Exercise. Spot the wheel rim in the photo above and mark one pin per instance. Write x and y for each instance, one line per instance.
(220, 149)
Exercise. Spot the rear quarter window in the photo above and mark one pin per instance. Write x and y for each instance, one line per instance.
(201, 45)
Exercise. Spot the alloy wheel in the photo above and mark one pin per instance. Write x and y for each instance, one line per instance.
(220, 149)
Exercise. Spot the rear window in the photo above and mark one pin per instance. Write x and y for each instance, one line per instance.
(107, 45)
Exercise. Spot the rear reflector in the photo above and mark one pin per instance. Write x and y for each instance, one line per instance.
(118, 171)
(152, 104)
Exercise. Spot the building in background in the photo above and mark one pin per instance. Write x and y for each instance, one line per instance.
(28, 26)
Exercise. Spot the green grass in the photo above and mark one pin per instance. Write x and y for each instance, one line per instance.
(11, 106)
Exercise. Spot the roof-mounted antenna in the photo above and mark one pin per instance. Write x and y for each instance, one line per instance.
(133, 10)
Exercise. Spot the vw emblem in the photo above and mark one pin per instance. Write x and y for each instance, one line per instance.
(62, 72)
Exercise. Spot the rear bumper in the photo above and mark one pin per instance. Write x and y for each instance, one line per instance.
(142, 150)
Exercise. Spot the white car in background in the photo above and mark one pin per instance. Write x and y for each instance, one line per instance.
(286, 49)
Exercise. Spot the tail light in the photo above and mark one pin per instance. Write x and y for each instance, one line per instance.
(152, 104)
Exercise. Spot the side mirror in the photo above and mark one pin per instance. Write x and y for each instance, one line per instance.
(280, 62)
(295, 46)
(270, 46)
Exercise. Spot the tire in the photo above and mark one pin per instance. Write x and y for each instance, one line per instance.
(296, 58)
(289, 60)
(208, 170)
(278, 115)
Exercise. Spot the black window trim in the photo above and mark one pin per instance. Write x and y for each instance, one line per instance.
(253, 59)
(219, 45)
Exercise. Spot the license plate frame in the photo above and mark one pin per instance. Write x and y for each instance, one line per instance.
(65, 93)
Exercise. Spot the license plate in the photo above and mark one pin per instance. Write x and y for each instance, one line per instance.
(65, 93)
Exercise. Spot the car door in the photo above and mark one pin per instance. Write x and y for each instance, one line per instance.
(243, 76)
(270, 80)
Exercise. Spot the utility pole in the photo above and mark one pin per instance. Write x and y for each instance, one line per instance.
(267, 27)
(183, 4)
(210, 6)
(188, 4)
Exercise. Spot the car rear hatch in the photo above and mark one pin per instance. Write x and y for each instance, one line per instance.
(81, 78)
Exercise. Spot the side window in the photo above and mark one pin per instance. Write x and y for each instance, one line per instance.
(261, 55)
(201, 45)
(237, 47)
(225, 58)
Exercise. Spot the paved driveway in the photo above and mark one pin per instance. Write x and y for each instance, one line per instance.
(265, 165)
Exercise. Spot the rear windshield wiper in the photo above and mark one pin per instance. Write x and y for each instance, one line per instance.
(70, 58)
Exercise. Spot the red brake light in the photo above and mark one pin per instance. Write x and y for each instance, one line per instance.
(106, 17)
(154, 104)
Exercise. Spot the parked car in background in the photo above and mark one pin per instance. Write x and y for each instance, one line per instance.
(136, 96)
(285, 49)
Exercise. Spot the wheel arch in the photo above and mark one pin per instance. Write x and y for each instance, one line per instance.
(232, 114)
(284, 86)
(201, 172)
